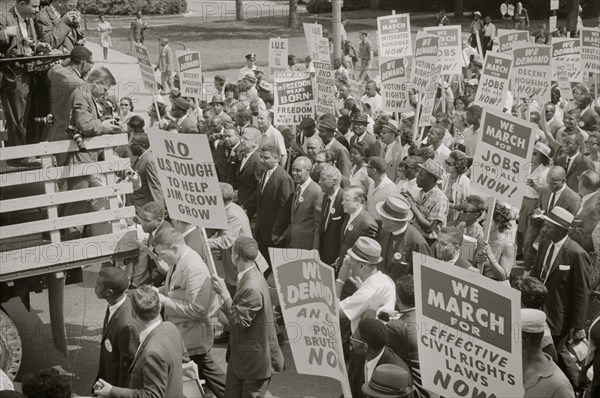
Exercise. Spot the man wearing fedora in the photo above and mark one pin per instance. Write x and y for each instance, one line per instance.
(217, 105)
(186, 124)
(327, 130)
(388, 381)
(398, 238)
(333, 214)
(431, 207)
(377, 290)
(564, 267)
(360, 121)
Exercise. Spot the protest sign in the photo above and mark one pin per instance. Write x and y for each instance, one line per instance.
(429, 98)
(552, 23)
(313, 32)
(567, 52)
(554, 5)
(504, 148)
(353, 83)
(393, 32)
(494, 80)
(188, 178)
(394, 85)
(531, 72)
(323, 50)
(450, 48)
(506, 39)
(325, 89)
(465, 332)
(590, 50)
(278, 54)
(307, 294)
(294, 98)
(146, 68)
(564, 83)
(190, 73)
(426, 50)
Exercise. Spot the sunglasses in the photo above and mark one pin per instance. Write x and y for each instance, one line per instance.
(123, 104)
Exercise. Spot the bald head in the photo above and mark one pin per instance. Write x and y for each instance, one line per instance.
(556, 178)
(301, 170)
(303, 163)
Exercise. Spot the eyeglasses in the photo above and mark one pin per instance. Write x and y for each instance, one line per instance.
(123, 104)
(448, 163)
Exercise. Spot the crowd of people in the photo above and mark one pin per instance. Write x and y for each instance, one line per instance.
(357, 185)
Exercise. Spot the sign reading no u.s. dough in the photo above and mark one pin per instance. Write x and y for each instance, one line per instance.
(394, 36)
(503, 151)
(143, 58)
(188, 178)
(466, 335)
(450, 48)
(190, 73)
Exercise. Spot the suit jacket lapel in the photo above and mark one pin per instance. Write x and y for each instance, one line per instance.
(113, 319)
(141, 348)
(557, 261)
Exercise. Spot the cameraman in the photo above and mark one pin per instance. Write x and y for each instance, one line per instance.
(86, 120)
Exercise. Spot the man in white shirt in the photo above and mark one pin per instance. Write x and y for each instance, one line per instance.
(341, 73)
(441, 151)
(249, 67)
(373, 99)
(489, 33)
(381, 188)
(408, 181)
(377, 291)
(270, 135)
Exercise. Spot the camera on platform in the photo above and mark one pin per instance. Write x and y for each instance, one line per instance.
(48, 119)
(77, 137)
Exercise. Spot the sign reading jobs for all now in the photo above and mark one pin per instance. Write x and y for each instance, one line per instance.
(465, 332)
(188, 178)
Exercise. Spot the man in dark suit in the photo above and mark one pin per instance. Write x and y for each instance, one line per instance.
(369, 350)
(253, 352)
(327, 129)
(138, 26)
(589, 118)
(572, 160)
(588, 215)
(151, 219)
(119, 332)
(156, 370)
(145, 167)
(60, 31)
(564, 267)
(399, 238)
(359, 128)
(250, 169)
(305, 221)
(333, 215)
(269, 204)
(358, 221)
(186, 124)
(557, 194)
(227, 157)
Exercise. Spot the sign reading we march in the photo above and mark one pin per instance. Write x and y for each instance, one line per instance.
(393, 32)
(450, 48)
(466, 340)
(504, 148)
(188, 178)
(494, 80)
(307, 295)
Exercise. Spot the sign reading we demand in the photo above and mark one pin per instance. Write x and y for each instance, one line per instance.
(188, 178)
(504, 150)
(466, 340)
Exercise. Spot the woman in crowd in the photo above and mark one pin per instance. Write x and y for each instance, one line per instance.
(471, 210)
(359, 157)
(536, 181)
(104, 31)
(456, 185)
(125, 112)
(162, 119)
(231, 97)
(459, 117)
(497, 257)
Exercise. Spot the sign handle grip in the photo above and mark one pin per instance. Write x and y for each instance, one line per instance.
(210, 262)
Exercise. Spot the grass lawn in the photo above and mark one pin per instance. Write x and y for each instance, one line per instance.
(223, 44)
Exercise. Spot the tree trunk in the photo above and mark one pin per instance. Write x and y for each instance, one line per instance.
(458, 10)
(374, 6)
(239, 15)
(572, 8)
(293, 22)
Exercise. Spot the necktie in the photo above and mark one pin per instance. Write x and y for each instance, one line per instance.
(263, 181)
(106, 317)
(547, 264)
(327, 211)
(568, 164)
(551, 202)
(298, 192)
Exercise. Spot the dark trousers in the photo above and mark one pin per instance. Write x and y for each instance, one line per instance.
(16, 100)
(487, 44)
(239, 388)
(211, 373)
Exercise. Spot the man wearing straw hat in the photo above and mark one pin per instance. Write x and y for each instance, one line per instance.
(399, 238)
(563, 266)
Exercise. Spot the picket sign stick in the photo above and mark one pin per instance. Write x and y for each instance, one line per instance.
(210, 262)
(158, 119)
(487, 223)
(416, 122)
(478, 43)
